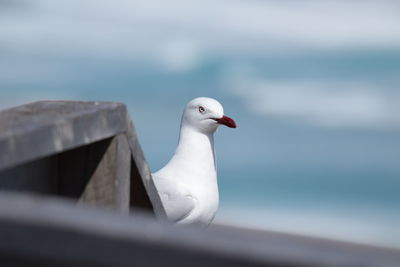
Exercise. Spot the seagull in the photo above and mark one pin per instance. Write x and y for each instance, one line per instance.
(187, 185)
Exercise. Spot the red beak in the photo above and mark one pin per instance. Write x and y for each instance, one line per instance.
(225, 120)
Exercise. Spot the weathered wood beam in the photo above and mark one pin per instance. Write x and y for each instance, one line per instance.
(44, 128)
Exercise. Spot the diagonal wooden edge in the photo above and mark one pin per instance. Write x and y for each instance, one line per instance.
(144, 169)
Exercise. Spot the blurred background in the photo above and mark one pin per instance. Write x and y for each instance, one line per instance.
(314, 87)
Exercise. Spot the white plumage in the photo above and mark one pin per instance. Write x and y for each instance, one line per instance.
(188, 185)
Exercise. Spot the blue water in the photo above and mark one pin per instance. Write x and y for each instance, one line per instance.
(276, 171)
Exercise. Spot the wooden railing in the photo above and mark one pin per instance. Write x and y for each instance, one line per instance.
(87, 151)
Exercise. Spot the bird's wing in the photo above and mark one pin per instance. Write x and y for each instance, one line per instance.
(176, 199)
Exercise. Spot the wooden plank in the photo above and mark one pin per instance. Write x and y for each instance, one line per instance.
(39, 232)
(45, 128)
(109, 185)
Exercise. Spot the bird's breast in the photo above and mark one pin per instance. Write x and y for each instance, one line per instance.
(207, 196)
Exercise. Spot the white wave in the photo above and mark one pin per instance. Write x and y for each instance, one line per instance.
(328, 103)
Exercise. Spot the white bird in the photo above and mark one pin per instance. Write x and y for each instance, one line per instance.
(187, 185)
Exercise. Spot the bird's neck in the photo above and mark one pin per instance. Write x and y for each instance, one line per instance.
(196, 146)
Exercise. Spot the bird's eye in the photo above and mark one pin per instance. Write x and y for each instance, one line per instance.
(202, 109)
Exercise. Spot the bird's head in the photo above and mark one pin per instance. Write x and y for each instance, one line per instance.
(206, 114)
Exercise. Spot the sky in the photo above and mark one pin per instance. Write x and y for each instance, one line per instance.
(312, 85)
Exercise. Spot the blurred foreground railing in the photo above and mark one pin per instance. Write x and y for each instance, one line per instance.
(55, 155)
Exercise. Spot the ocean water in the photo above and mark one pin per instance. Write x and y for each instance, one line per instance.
(316, 150)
